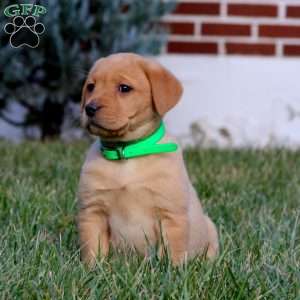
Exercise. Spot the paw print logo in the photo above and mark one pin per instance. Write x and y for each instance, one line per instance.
(24, 32)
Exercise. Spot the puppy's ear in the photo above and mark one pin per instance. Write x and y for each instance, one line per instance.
(166, 89)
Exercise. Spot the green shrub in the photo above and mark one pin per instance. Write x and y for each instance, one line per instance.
(45, 80)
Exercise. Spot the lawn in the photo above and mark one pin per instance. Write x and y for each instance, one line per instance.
(253, 197)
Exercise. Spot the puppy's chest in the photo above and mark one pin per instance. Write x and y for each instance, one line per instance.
(128, 198)
(125, 188)
(131, 214)
(130, 192)
(127, 201)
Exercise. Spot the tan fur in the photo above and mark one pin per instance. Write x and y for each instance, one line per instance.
(131, 204)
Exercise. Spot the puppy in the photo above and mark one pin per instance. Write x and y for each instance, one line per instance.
(133, 201)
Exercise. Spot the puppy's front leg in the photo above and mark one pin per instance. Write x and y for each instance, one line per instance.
(94, 234)
(175, 235)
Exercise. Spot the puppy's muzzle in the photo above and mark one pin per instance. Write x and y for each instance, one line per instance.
(91, 109)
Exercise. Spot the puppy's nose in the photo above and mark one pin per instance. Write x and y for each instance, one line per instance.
(91, 109)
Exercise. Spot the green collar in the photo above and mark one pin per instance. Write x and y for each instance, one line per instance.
(141, 147)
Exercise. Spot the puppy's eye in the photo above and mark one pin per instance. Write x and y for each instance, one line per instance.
(90, 87)
(123, 88)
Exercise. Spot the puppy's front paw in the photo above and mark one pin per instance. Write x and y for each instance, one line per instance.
(94, 237)
(179, 259)
(88, 260)
(213, 244)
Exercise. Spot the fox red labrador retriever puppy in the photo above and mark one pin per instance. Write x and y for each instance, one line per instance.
(134, 189)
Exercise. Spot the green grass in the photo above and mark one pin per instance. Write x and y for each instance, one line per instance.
(253, 197)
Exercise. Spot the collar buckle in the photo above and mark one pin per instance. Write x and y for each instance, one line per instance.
(120, 152)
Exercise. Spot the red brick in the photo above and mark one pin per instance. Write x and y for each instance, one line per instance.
(192, 47)
(180, 27)
(226, 29)
(284, 31)
(293, 11)
(252, 10)
(291, 50)
(250, 49)
(192, 8)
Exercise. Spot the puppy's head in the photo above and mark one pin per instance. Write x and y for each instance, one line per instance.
(125, 95)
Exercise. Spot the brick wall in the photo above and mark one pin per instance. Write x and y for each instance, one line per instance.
(232, 27)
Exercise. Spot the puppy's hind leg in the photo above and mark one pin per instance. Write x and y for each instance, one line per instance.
(213, 243)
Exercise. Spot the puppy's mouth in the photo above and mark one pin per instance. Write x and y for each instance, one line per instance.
(108, 132)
